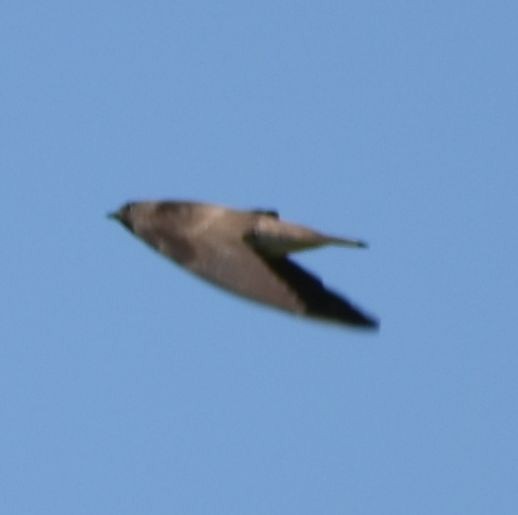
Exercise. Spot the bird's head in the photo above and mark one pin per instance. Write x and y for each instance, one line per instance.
(125, 215)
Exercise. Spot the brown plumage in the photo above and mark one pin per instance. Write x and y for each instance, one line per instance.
(244, 252)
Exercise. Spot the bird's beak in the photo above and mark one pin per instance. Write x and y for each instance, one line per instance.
(115, 215)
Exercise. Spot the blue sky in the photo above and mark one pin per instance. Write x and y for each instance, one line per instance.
(128, 386)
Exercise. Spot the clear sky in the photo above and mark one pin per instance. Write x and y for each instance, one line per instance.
(128, 386)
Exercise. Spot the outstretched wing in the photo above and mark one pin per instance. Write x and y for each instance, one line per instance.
(234, 265)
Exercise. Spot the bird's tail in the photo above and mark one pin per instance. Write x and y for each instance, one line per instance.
(345, 242)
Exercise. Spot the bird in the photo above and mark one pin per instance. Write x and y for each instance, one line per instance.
(245, 252)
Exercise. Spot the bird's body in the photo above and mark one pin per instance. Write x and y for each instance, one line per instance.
(244, 252)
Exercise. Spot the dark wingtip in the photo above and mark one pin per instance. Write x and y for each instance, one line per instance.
(320, 302)
(339, 310)
(366, 322)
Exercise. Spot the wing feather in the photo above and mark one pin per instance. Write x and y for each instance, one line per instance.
(241, 269)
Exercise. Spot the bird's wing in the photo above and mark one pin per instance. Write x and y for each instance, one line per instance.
(234, 266)
(318, 301)
(277, 281)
